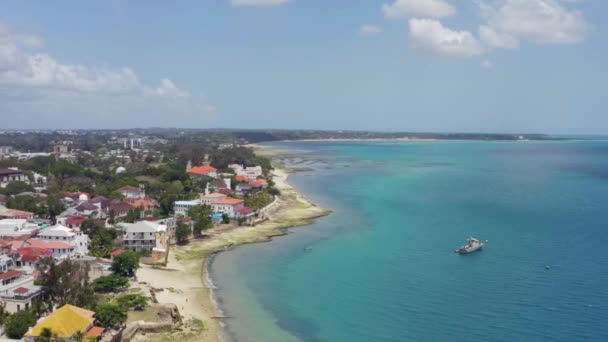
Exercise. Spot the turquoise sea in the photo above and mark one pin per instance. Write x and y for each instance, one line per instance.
(382, 266)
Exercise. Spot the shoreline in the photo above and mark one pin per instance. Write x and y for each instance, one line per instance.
(187, 272)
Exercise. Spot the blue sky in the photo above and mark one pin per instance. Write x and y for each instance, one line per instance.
(405, 65)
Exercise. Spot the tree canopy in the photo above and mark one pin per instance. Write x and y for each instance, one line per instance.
(126, 263)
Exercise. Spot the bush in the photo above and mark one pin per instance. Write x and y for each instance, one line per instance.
(110, 283)
(110, 315)
(125, 264)
(133, 301)
(17, 324)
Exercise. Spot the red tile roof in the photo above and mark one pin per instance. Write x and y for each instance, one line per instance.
(230, 201)
(117, 252)
(48, 244)
(242, 179)
(10, 274)
(201, 170)
(33, 253)
(21, 290)
(94, 332)
(244, 210)
(77, 220)
(122, 206)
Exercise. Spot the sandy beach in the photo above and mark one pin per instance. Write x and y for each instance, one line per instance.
(184, 281)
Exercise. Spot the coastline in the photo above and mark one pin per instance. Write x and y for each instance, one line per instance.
(186, 275)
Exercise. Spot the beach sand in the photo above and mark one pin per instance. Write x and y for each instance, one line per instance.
(185, 278)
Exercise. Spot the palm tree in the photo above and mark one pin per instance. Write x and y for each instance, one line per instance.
(46, 335)
(78, 336)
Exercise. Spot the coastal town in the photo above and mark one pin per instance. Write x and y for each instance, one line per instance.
(89, 221)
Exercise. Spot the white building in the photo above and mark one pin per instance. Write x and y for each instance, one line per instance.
(11, 175)
(181, 207)
(227, 206)
(133, 192)
(252, 172)
(16, 227)
(17, 289)
(212, 198)
(144, 235)
(74, 238)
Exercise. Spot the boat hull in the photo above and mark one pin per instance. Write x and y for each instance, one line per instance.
(467, 250)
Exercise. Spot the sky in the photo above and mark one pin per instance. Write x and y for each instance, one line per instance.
(521, 66)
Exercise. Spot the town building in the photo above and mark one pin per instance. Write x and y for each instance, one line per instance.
(17, 289)
(212, 198)
(71, 236)
(132, 192)
(11, 175)
(227, 206)
(181, 208)
(144, 235)
(64, 323)
(209, 171)
(16, 227)
(251, 172)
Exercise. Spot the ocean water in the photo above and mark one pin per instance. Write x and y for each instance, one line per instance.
(382, 266)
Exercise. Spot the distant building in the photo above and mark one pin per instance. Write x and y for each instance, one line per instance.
(6, 150)
(252, 172)
(64, 323)
(144, 235)
(181, 208)
(17, 289)
(120, 209)
(74, 237)
(209, 171)
(212, 198)
(8, 176)
(132, 192)
(227, 206)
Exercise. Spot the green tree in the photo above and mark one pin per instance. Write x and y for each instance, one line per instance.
(78, 336)
(200, 215)
(134, 301)
(101, 238)
(133, 215)
(54, 207)
(126, 263)
(14, 188)
(17, 324)
(26, 203)
(112, 217)
(46, 335)
(182, 232)
(225, 219)
(111, 315)
(67, 283)
(111, 283)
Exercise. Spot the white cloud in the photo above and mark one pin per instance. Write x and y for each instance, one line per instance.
(368, 30)
(497, 40)
(430, 35)
(418, 8)
(538, 21)
(258, 2)
(40, 89)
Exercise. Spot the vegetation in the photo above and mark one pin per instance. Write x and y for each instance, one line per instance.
(225, 219)
(134, 301)
(16, 188)
(125, 264)
(111, 315)
(101, 238)
(17, 324)
(111, 283)
(182, 232)
(259, 200)
(68, 283)
(202, 221)
(27, 203)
